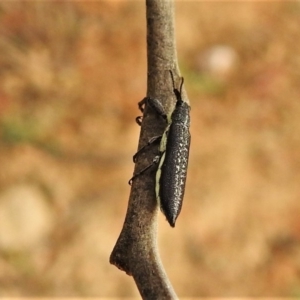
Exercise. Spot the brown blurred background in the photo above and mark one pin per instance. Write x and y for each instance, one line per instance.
(71, 74)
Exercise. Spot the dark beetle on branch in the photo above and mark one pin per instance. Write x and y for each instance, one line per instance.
(173, 154)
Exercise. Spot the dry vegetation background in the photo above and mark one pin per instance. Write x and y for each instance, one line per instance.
(71, 74)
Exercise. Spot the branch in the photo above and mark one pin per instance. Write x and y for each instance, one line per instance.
(136, 250)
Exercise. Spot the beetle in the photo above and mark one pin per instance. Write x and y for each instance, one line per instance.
(173, 156)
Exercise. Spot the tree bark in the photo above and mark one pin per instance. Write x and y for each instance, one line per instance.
(136, 250)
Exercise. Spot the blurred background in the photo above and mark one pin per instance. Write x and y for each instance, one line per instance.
(71, 74)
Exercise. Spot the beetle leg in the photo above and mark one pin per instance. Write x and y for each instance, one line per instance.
(154, 104)
(157, 106)
(138, 120)
(155, 161)
(141, 105)
(151, 141)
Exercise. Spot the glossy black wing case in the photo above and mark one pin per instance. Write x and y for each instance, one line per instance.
(174, 162)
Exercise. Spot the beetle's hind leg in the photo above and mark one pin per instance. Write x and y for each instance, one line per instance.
(155, 161)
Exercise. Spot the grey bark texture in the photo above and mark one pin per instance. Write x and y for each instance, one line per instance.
(136, 250)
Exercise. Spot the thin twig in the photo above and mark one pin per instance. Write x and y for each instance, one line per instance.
(136, 250)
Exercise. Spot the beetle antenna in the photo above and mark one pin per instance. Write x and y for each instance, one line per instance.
(172, 80)
(176, 91)
(180, 89)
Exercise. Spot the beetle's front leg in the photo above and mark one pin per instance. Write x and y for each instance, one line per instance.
(141, 106)
(154, 104)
